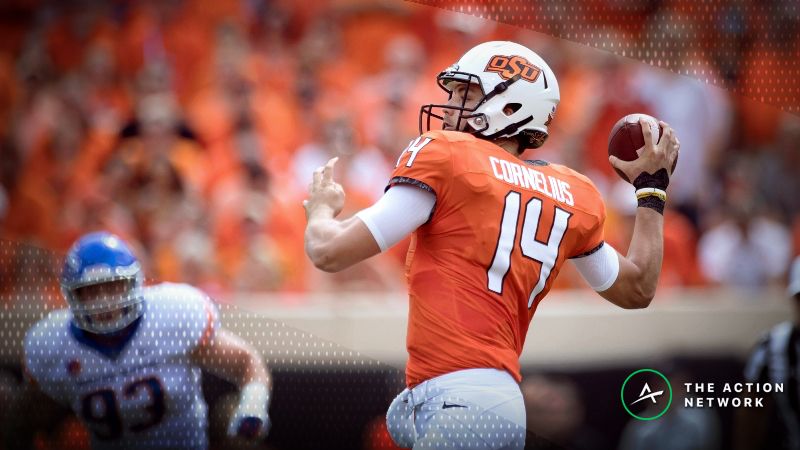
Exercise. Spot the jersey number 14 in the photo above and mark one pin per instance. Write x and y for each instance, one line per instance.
(545, 253)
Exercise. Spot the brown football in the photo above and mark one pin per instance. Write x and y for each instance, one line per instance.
(626, 138)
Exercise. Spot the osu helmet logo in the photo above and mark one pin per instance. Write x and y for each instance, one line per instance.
(509, 66)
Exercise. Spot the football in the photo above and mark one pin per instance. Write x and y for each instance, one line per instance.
(626, 138)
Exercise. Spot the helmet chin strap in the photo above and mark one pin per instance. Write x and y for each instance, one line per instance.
(500, 88)
(509, 130)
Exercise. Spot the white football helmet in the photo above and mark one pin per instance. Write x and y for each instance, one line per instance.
(510, 75)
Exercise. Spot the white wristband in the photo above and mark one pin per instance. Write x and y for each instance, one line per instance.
(646, 192)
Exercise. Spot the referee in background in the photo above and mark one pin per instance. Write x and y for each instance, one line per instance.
(776, 359)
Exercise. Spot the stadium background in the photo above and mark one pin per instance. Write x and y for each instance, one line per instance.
(190, 128)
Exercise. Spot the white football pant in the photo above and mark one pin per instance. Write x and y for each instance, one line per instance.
(479, 409)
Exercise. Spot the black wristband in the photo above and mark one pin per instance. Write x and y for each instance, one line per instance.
(652, 202)
(658, 180)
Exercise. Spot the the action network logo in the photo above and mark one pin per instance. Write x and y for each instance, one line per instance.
(646, 394)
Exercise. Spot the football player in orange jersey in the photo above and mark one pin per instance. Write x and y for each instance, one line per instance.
(490, 234)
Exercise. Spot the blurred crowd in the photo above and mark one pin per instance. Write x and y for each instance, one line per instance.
(191, 128)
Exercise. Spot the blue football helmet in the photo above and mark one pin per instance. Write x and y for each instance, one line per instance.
(97, 258)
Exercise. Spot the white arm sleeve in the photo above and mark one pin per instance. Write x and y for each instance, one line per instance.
(400, 211)
(600, 269)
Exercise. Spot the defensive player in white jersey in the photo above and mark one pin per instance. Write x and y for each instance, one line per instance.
(127, 359)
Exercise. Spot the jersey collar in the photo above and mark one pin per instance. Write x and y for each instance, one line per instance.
(110, 350)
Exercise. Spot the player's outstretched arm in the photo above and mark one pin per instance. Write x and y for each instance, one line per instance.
(639, 270)
(231, 358)
(331, 244)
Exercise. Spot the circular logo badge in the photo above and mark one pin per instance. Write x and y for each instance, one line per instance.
(646, 394)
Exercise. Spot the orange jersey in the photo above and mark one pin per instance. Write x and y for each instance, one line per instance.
(499, 233)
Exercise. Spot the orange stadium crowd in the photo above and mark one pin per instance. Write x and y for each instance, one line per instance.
(191, 128)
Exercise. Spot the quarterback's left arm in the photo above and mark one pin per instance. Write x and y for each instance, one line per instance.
(228, 356)
(331, 244)
(334, 245)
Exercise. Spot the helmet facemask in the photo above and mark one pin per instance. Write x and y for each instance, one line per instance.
(475, 122)
(103, 291)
